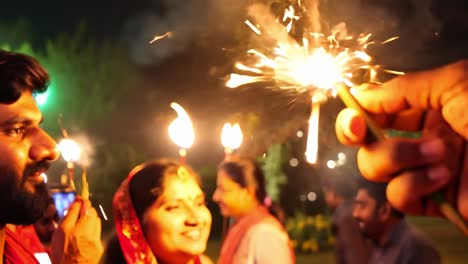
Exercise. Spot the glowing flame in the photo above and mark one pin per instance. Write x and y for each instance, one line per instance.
(314, 62)
(317, 61)
(231, 137)
(181, 129)
(165, 35)
(70, 150)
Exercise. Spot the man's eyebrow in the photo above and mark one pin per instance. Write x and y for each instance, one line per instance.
(20, 120)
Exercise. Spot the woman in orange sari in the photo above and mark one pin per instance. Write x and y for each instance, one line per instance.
(160, 217)
(256, 236)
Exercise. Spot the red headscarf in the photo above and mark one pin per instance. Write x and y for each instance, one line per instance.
(131, 238)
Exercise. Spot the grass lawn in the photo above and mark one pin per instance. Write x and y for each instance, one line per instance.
(453, 246)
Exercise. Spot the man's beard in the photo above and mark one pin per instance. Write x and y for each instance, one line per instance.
(18, 204)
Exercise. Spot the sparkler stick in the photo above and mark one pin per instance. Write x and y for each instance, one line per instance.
(375, 133)
(84, 184)
(71, 153)
(182, 155)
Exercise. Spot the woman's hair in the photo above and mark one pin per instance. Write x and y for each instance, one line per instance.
(247, 173)
(147, 183)
(113, 252)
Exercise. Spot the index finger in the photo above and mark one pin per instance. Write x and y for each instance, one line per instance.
(73, 212)
(444, 89)
(420, 90)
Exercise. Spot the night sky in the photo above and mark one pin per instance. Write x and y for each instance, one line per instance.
(104, 17)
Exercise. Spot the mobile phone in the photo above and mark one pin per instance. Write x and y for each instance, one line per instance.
(63, 198)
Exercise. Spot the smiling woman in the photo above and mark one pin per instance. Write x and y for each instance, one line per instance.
(160, 216)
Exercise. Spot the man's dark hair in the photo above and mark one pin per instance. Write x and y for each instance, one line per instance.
(19, 73)
(343, 184)
(378, 191)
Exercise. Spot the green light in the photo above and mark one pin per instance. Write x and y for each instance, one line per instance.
(41, 98)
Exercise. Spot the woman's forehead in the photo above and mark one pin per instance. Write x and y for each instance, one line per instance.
(181, 187)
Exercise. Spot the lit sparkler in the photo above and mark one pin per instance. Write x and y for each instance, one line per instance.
(71, 153)
(318, 64)
(321, 65)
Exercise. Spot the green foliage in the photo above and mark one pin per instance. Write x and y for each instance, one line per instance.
(272, 166)
(111, 166)
(14, 35)
(310, 234)
(88, 78)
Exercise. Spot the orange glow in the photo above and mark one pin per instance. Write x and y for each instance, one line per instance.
(317, 62)
(70, 150)
(165, 35)
(181, 129)
(231, 137)
(313, 133)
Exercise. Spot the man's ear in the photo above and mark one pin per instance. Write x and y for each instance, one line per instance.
(385, 211)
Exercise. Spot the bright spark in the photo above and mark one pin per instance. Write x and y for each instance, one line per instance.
(165, 35)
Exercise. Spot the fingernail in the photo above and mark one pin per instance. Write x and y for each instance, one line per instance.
(356, 127)
(432, 149)
(438, 173)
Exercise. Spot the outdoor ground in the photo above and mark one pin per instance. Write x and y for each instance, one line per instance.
(452, 244)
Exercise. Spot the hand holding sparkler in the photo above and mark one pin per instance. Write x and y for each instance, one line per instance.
(417, 167)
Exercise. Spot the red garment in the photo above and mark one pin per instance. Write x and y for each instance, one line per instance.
(28, 236)
(132, 241)
(237, 232)
(15, 252)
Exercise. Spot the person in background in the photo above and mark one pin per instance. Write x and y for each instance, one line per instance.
(160, 217)
(38, 236)
(256, 236)
(351, 246)
(47, 224)
(395, 241)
